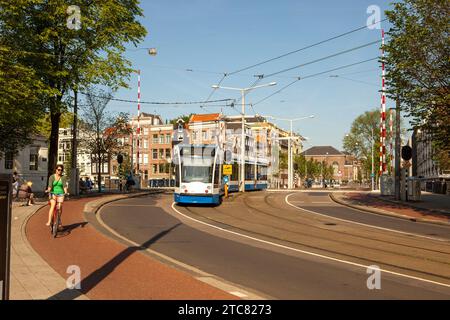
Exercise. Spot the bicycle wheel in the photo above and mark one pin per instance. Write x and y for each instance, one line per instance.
(55, 224)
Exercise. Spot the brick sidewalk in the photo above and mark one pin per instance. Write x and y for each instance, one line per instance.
(368, 202)
(109, 269)
(30, 276)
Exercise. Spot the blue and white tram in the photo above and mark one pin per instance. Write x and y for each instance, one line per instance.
(198, 174)
(255, 176)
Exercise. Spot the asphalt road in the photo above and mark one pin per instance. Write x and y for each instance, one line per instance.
(263, 243)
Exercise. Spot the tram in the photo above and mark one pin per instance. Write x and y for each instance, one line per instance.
(255, 176)
(198, 174)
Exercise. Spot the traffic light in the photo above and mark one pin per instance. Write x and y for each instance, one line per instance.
(406, 153)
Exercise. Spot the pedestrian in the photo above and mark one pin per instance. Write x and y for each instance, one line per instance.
(27, 193)
(15, 185)
(82, 186)
(88, 183)
(130, 182)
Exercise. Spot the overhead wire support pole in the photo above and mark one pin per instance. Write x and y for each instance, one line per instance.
(383, 112)
(138, 127)
(243, 92)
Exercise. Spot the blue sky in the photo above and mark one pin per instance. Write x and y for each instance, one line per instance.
(211, 37)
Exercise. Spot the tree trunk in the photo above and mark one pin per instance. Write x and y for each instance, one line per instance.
(99, 172)
(53, 148)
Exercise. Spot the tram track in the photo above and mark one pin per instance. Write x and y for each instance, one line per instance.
(198, 212)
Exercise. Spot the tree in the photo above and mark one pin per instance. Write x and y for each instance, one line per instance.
(418, 64)
(184, 117)
(19, 103)
(101, 130)
(66, 58)
(44, 126)
(359, 141)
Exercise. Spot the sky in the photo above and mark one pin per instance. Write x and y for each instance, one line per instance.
(197, 41)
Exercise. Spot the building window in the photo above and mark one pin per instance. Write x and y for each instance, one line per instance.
(33, 162)
(9, 160)
(163, 168)
(194, 135)
(145, 130)
(155, 138)
(145, 174)
(154, 168)
(205, 135)
(168, 138)
(145, 158)
(167, 153)
(161, 139)
(145, 143)
(161, 153)
(154, 154)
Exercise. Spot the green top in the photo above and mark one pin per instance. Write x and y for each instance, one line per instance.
(57, 185)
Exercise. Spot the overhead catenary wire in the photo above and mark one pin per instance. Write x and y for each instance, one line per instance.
(159, 102)
(323, 58)
(354, 80)
(314, 75)
(306, 47)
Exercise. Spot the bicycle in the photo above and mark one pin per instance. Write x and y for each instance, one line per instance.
(56, 218)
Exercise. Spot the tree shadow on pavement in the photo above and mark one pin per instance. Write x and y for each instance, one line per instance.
(88, 283)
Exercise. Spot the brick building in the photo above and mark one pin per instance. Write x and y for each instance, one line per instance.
(345, 166)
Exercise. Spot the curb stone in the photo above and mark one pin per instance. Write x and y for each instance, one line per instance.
(386, 213)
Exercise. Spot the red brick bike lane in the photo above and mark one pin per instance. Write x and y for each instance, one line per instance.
(109, 269)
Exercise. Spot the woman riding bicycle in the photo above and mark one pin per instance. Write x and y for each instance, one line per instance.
(57, 186)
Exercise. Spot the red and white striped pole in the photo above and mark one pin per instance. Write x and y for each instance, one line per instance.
(383, 112)
(138, 132)
(391, 138)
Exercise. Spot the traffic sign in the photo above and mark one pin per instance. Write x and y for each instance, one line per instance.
(227, 169)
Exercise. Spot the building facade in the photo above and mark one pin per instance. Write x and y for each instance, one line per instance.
(433, 178)
(155, 150)
(345, 166)
(31, 163)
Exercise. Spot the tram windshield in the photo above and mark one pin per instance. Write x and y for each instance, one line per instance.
(196, 174)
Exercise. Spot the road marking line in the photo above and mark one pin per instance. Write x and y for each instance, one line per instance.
(238, 294)
(308, 252)
(203, 274)
(363, 224)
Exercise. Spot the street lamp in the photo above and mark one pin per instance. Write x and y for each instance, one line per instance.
(243, 92)
(290, 157)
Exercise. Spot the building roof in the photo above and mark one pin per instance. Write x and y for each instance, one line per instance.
(322, 151)
(205, 117)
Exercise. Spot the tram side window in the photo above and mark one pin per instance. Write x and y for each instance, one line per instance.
(262, 172)
(235, 172)
(177, 176)
(249, 171)
(216, 175)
